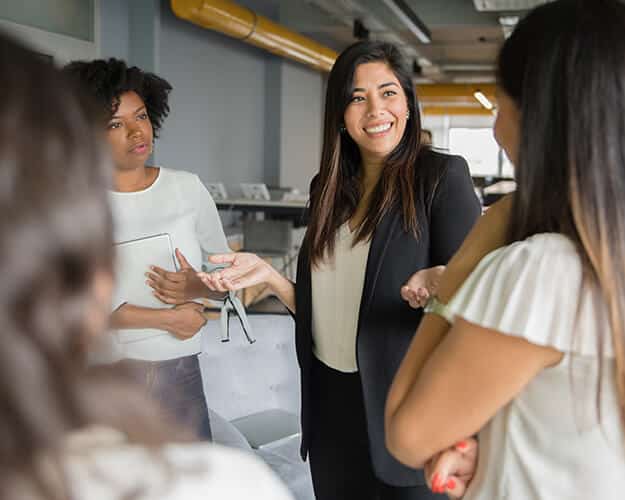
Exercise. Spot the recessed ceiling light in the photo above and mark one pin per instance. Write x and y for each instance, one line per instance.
(507, 5)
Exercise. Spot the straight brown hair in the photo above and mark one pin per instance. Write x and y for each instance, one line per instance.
(564, 66)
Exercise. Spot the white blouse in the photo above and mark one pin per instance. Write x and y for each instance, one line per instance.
(547, 443)
(102, 465)
(176, 203)
(337, 285)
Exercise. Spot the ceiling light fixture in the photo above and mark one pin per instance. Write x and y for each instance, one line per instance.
(410, 19)
(483, 100)
(508, 23)
(506, 5)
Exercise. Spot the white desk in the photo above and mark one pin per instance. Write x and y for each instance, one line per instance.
(290, 209)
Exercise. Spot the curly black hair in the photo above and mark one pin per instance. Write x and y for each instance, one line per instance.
(107, 80)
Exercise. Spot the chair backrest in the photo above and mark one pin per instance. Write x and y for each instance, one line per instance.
(241, 378)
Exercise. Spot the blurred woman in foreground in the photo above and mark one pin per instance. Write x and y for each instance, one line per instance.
(66, 432)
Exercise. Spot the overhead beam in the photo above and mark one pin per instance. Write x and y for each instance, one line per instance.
(454, 92)
(456, 110)
(408, 17)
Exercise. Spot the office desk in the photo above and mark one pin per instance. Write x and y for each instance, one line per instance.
(293, 210)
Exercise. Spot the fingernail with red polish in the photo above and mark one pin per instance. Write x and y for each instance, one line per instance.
(435, 482)
(462, 445)
(451, 484)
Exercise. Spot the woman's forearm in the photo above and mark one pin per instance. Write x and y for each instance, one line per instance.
(488, 234)
(283, 288)
(129, 317)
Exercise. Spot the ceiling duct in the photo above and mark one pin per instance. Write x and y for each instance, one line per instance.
(506, 5)
(408, 17)
(382, 22)
(246, 25)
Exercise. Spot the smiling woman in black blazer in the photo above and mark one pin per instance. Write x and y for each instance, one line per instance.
(382, 207)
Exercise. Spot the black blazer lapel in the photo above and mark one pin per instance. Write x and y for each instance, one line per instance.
(383, 234)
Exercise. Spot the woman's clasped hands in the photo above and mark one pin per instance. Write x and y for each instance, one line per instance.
(452, 470)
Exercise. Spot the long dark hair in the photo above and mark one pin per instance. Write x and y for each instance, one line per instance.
(55, 237)
(335, 195)
(564, 66)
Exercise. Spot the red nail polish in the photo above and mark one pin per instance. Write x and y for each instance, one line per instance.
(462, 445)
(451, 484)
(436, 480)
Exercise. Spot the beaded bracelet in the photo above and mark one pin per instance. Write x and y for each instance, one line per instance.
(435, 306)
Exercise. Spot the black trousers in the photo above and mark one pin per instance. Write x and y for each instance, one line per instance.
(177, 385)
(340, 460)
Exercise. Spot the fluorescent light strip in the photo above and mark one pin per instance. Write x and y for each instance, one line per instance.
(483, 100)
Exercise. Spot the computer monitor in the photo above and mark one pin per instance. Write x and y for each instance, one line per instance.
(255, 191)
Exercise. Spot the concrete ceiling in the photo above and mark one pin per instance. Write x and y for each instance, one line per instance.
(464, 40)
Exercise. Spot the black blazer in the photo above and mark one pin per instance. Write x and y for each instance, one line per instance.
(386, 323)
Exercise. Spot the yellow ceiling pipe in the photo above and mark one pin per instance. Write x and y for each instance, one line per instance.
(456, 110)
(454, 92)
(244, 24)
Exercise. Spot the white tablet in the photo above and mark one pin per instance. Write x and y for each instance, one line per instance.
(133, 259)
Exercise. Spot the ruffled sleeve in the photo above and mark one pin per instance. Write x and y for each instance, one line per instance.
(534, 289)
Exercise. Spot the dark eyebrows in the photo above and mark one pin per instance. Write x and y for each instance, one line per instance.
(116, 117)
(387, 84)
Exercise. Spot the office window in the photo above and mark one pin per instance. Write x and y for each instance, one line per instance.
(73, 18)
(507, 170)
(479, 148)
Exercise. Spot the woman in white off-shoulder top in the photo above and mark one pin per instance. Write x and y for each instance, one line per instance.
(529, 351)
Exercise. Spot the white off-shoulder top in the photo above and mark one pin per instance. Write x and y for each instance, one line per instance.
(548, 443)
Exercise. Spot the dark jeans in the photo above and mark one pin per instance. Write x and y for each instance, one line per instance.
(340, 459)
(177, 385)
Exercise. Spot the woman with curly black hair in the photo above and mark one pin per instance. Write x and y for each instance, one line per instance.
(163, 342)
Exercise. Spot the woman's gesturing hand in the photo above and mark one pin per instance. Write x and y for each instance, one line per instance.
(452, 470)
(245, 269)
(421, 286)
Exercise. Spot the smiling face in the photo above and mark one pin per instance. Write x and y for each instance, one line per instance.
(129, 133)
(375, 117)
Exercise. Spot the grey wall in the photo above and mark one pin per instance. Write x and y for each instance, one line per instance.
(302, 124)
(238, 113)
(114, 28)
(218, 111)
